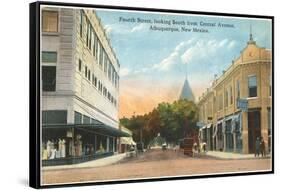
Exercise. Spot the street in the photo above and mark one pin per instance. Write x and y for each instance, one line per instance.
(155, 163)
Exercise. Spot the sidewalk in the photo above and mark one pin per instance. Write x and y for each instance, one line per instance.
(94, 163)
(231, 155)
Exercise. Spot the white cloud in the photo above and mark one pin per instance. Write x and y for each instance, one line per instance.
(192, 50)
(202, 49)
(174, 57)
(187, 52)
(124, 29)
(124, 72)
(231, 45)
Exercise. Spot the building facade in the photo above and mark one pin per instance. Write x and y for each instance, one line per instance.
(224, 125)
(80, 86)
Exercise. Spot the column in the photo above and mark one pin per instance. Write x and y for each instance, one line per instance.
(113, 144)
(264, 126)
(95, 145)
(234, 142)
(224, 141)
(107, 144)
(245, 145)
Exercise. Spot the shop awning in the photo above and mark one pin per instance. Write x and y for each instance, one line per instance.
(127, 140)
(95, 126)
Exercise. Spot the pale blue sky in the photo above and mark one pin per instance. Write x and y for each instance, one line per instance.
(161, 57)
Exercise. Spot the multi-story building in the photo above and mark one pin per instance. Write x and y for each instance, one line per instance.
(225, 125)
(80, 87)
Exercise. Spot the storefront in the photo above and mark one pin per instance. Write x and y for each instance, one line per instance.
(209, 129)
(228, 135)
(254, 128)
(237, 131)
(219, 136)
(64, 144)
(127, 144)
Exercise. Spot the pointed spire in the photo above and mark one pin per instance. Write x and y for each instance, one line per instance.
(251, 35)
(186, 92)
(251, 40)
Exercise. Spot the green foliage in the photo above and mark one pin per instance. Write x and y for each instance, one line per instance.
(172, 120)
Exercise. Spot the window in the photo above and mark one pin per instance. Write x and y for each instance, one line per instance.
(81, 23)
(87, 35)
(77, 118)
(50, 21)
(100, 86)
(86, 71)
(93, 39)
(113, 75)
(86, 119)
(101, 57)
(93, 79)
(80, 65)
(220, 102)
(89, 74)
(109, 71)
(49, 56)
(49, 78)
(231, 96)
(105, 64)
(252, 85)
(90, 38)
(104, 91)
(96, 46)
(226, 98)
(96, 81)
(54, 117)
(238, 89)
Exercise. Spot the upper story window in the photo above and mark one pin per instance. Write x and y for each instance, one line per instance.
(89, 74)
(49, 78)
(86, 71)
(80, 65)
(220, 102)
(49, 21)
(49, 60)
(105, 64)
(49, 57)
(101, 52)
(238, 89)
(230, 95)
(226, 98)
(81, 23)
(252, 85)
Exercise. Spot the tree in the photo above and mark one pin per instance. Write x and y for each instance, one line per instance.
(172, 120)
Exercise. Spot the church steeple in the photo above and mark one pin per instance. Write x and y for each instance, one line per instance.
(186, 92)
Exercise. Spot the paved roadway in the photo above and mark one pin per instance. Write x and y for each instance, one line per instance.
(155, 163)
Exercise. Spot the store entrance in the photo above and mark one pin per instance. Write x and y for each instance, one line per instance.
(254, 129)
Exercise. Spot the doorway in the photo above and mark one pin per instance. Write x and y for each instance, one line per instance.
(254, 129)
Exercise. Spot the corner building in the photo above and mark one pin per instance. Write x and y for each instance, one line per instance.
(80, 88)
(225, 126)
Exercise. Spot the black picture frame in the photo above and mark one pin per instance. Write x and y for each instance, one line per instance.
(35, 94)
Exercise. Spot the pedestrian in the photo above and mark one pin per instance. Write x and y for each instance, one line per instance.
(204, 147)
(262, 147)
(257, 147)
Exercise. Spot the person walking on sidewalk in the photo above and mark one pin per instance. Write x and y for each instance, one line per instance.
(262, 147)
(257, 147)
